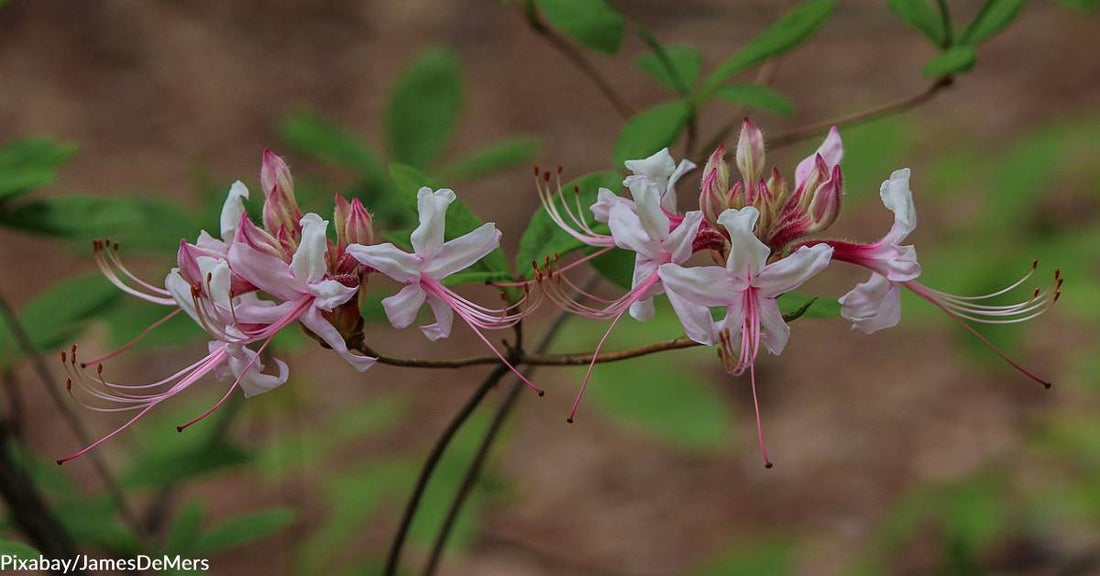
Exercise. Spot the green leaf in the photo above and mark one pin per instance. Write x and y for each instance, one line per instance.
(650, 130)
(127, 322)
(17, 549)
(94, 521)
(995, 16)
(757, 96)
(794, 27)
(185, 529)
(87, 217)
(460, 219)
(55, 318)
(327, 141)
(500, 156)
(543, 238)
(685, 63)
(423, 107)
(951, 61)
(921, 15)
(29, 164)
(593, 23)
(480, 277)
(245, 529)
(763, 559)
(795, 305)
(181, 461)
(616, 266)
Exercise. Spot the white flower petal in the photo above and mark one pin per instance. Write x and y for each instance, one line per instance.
(897, 197)
(266, 272)
(427, 239)
(695, 318)
(747, 253)
(679, 242)
(872, 305)
(605, 199)
(387, 259)
(463, 252)
(774, 330)
(629, 233)
(248, 369)
(668, 198)
(309, 260)
(656, 168)
(317, 324)
(401, 308)
(647, 205)
(232, 210)
(180, 290)
(444, 318)
(329, 294)
(216, 279)
(709, 286)
(791, 272)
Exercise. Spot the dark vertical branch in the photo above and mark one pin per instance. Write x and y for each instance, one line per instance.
(71, 418)
(28, 507)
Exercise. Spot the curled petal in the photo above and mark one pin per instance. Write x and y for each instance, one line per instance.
(774, 330)
(647, 205)
(709, 286)
(401, 308)
(629, 233)
(308, 263)
(747, 253)
(792, 271)
(388, 259)
(462, 252)
(695, 318)
(427, 239)
(897, 197)
(444, 318)
(317, 324)
(679, 243)
(668, 197)
(329, 294)
(605, 200)
(872, 305)
(233, 209)
(244, 365)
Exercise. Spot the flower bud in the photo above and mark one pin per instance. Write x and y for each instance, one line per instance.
(353, 223)
(280, 207)
(825, 204)
(716, 179)
(750, 152)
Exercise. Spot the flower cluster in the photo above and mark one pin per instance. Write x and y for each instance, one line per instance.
(760, 235)
(764, 233)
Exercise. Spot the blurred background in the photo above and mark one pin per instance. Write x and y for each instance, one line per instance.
(913, 451)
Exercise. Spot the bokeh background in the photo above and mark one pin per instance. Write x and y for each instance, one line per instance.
(914, 451)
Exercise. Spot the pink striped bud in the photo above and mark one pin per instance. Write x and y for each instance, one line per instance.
(750, 153)
(280, 208)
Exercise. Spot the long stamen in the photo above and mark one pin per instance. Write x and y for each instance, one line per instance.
(756, 410)
(591, 366)
(132, 342)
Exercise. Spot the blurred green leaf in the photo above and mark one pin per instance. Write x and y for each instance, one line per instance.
(798, 304)
(757, 96)
(760, 559)
(423, 107)
(543, 238)
(951, 61)
(181, 461)
(310, 133)
(685, 63)
(995, 16)
(185, 529)
(593, 23)
(244, 529)
(93, 521)
(500, 156)
(86, 217)
(921, 15)
(1085, 6)
(55, 317)
(29, 164)
(616, 266)
(650, 130)
(128, 322)
(12, 547)
(789, 31)
(476, 278)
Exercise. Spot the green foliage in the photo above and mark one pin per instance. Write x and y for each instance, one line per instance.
(651, 129)
(29, 164)
(308, 132)
(185, 528)
(543, 238)
(759, 559)
(593, 23)
(952, 61)
(423, 107)
(12, 547)
(616, 266)
(81, 217)
(795, 305)
(676, 67)
(921, 15)
(56, 317)
(994, 17)
(500, 156)
(757, 96)
(244, 529)
(789, 31)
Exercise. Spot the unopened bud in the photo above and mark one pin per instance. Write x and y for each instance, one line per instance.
(713, 191)
(750, 152)
(354, 224)
(280, 208)
(825, 203)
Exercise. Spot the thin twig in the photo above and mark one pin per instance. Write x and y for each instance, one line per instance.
(70, 416)
(578, 60)
(811, 130)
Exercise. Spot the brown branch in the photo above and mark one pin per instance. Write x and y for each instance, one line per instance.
(811, 130)
(70, 416)
(578, 60)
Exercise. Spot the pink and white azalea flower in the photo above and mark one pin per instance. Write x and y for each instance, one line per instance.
(876, 304)
(432, 260)
(747, 287)
(661, 171)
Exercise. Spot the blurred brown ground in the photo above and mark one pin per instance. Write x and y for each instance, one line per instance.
(152, 91)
